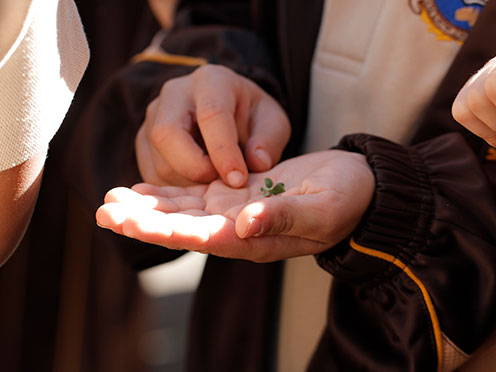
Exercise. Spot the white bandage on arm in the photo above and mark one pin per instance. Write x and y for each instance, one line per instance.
(39, 74)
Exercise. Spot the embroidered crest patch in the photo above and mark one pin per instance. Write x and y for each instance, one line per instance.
(448, 19)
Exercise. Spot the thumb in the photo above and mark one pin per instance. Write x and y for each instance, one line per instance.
(301, 216)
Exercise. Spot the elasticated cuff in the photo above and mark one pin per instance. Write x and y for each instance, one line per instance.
(396, 225)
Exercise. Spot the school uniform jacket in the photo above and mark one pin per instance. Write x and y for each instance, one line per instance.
(414, 285)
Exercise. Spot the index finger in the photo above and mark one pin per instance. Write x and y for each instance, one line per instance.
(216, 101)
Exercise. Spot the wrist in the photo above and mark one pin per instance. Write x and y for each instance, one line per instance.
(399, 216)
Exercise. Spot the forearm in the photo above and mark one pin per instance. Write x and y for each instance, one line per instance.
(19, 188)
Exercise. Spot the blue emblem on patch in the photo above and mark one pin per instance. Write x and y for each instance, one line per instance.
(449, 19)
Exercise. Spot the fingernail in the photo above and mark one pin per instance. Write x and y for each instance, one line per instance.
(254, 228)
(264, 157)
(235, 178)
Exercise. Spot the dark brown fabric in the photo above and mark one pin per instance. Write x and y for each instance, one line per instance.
(69, 303)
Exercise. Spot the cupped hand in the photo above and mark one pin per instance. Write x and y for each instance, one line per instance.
(475, 104)
(325, 198)
(210, 123)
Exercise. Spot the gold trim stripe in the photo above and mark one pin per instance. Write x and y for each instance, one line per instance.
(491, 154)
(427, 298)
(169, 59)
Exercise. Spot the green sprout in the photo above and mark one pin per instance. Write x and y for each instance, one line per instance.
(268, 190)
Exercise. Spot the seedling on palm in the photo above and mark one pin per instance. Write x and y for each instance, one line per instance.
(271, 189)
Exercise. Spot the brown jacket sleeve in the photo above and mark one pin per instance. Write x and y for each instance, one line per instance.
(418, 273)
(415, 288)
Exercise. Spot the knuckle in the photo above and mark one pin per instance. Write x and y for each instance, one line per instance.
(286, 128)
(217, 151)
(210, 113)
(165, 172)
(211, 70)
(285, 223)
(285, 121)
(461, 112)
(476, 99)
(173, 84)
(151, 109)
(159, 135)
(490, 87)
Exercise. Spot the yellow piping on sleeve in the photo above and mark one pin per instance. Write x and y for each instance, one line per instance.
(155, 53)
(491, 154)
(427, 298)
(170, 59)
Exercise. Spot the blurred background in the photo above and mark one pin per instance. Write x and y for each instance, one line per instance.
(170, 287)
